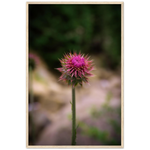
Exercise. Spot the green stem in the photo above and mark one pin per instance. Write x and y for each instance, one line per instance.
(73, 117)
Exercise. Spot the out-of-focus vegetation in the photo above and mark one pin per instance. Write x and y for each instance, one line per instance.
(57, 29)
(103, 135)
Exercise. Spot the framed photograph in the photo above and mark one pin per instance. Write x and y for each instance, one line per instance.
(74, 75)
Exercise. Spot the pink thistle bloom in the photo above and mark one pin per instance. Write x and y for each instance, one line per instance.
(76, 68)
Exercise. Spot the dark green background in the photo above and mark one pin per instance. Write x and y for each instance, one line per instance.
(55, 29)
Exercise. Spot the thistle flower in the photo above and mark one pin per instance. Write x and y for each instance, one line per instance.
(75, 68)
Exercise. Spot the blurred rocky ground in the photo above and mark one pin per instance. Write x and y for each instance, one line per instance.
(98, 108)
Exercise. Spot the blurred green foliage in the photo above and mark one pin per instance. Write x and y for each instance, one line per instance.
(57, 29)
(101, 135)
(106, 111)
(94, 132)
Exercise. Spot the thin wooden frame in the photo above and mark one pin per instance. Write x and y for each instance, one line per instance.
(25, 69)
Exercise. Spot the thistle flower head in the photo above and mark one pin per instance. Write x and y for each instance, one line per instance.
(75, 68)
